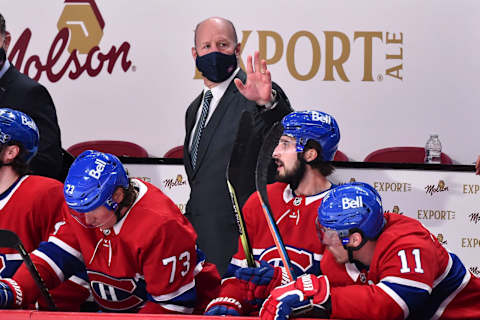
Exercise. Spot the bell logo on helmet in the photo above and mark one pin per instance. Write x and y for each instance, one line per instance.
(29, 123)
(348, 203)
(316, 116)
(98, 170)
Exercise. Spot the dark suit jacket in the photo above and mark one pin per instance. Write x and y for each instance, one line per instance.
(209, 207)
(17, 91)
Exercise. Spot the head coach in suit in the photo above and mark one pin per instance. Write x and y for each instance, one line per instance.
(17, 91)
(211, 124)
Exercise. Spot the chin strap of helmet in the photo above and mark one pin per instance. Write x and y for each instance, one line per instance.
(351, 249)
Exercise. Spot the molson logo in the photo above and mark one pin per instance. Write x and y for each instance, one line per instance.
(170, 183)
(474, 217)
(333, 51)
(80, 30)
(475, 270)
(441, 239)
(431, 189)
(396, 209)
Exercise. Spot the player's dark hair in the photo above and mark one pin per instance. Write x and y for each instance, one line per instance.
(20, 167)
(323, 167)
(129, 197)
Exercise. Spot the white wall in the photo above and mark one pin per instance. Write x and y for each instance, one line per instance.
(146, 104)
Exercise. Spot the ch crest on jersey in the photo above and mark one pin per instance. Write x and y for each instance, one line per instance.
(119, 294)
(302, 260)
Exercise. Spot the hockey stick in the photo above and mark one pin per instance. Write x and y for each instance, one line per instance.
(263, 160)
(236, 177)
(9, 239)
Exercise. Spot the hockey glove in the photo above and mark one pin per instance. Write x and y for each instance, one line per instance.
(307, 294)
(10, 293)
(224, 306)
(261, 281)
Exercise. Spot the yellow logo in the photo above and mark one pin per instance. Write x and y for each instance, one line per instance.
(431, 189)
(85, 23)
(178, 181)
(441, 239)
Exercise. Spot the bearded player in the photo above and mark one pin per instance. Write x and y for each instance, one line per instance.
(310, 138)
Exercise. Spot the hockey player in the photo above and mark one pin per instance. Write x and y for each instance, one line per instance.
(309, 139)
(407, 272)
(31, 206)
(136, 246)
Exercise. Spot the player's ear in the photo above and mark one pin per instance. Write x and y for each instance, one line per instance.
(355, 239)
(10, 153)
(118, 195)
(237, 50)
(310, 154)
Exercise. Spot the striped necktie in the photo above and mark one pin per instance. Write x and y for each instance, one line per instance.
(200, 126)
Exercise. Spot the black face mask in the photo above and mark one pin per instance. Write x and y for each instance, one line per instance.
(216, 66)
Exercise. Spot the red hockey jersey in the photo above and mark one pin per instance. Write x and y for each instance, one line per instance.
(32, 208)
(411, 276)
(295, 217)
(146, 262)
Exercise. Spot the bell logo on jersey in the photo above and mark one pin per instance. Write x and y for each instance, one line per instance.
(316, 116)
(114, 293)
(301, 259)
(348, 203)
(98, 170)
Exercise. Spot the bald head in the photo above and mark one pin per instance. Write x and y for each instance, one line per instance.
(218, 23)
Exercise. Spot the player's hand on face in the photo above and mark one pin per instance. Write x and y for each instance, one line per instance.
(258, 86)
(477, 166)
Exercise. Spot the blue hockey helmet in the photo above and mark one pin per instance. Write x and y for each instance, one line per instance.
(19, 128)
(91, 182)
(316, 125)
(352, 206)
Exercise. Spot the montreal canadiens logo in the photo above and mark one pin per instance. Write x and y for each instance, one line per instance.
(114, 293)
(301, 259)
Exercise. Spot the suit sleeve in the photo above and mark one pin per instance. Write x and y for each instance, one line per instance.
(48, 161)
(283, 107)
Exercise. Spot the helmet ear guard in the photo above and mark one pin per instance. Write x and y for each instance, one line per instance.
(316, 125)
(92, 180)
